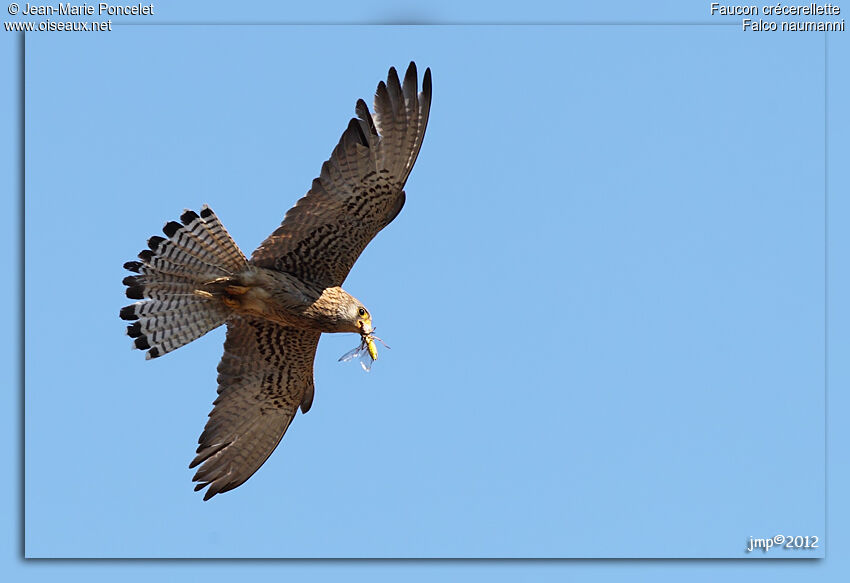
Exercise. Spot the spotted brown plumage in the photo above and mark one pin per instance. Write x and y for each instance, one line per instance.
(266, 373)
(277, 304)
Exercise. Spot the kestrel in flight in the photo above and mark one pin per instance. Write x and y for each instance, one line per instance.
(277, 303)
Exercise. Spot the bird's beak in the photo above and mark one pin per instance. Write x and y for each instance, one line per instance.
(365, 328)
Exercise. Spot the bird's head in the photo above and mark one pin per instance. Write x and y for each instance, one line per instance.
(354, 317)
(342, 312)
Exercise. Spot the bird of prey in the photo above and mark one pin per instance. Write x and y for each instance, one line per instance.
(277, 303)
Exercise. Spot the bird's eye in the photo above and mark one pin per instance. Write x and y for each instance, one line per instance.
(362, 312)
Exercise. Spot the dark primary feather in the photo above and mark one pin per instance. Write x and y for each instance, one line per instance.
(359, 190)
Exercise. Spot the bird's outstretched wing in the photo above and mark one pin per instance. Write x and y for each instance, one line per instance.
(266, 373)
(359, 190)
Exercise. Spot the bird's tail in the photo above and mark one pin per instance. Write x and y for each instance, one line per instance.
(174, 309)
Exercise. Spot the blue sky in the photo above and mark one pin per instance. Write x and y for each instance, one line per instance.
(605, 295)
